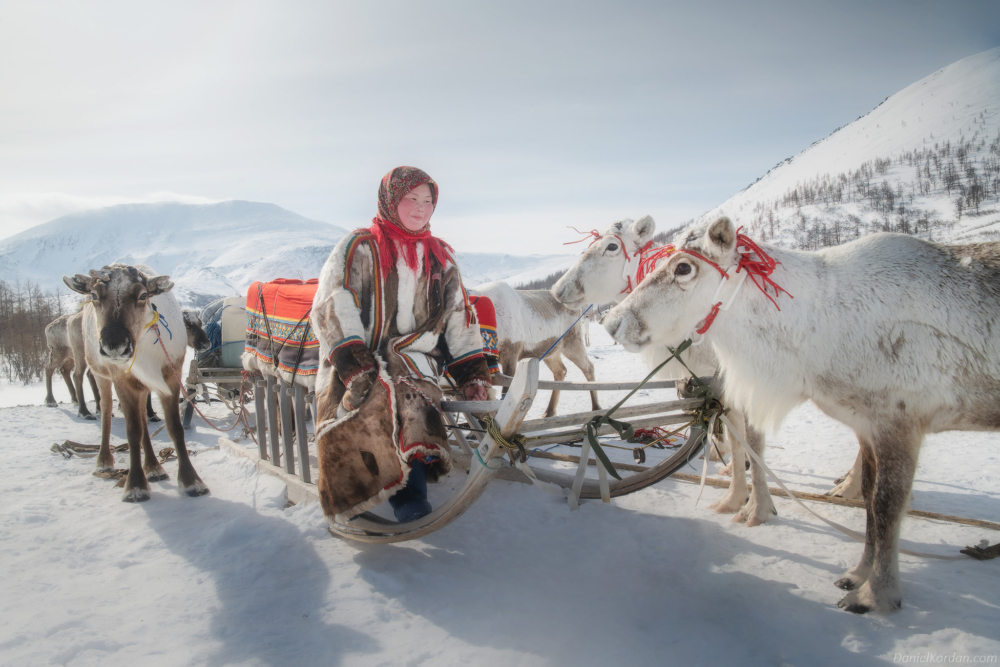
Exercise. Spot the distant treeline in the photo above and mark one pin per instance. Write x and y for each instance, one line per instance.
(24, 312)
(967, 172)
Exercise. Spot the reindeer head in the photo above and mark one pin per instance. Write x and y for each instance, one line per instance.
(673, 301)
(196, 336)
(120, 295)
(599, 275)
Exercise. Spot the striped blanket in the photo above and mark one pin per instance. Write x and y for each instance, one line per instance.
(278, 329)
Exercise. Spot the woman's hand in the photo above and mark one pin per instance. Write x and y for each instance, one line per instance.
(476, 392)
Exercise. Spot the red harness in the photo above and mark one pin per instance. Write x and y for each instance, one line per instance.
(758, 270)
(647, 258)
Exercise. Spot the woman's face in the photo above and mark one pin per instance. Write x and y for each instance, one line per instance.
(416, 207)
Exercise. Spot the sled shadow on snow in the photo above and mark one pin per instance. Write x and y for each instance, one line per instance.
(665, 592)
(271, 585)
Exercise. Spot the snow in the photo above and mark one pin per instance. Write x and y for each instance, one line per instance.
(238, 578)
(957, 103)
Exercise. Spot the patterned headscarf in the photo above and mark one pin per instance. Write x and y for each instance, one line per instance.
(394, 187)
(391, 235)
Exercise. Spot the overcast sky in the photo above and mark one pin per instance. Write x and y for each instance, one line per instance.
(530, 115)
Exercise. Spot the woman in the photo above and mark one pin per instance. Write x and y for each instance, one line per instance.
(391, 316)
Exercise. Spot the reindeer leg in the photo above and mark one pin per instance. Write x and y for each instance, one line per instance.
(105, 458)
(859, 574)
(896, 463)
(82, 410)
(576, 351)
(50, 400)
(93, 387)
(737, 495)
(760, 507)
(154, 471)
(558, 368)
(187, 479)
(131, 395)
(67, 376)
(849, 486)
(150, 413)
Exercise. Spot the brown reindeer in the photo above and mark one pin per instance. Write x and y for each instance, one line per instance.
(133, 341)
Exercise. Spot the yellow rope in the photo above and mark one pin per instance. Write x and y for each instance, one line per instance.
(516, 442)
(135, 353)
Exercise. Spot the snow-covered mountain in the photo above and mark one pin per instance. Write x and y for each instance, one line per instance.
(926, 161)
(210, 250)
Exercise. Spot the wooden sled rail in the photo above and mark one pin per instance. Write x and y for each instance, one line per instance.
(501, 380)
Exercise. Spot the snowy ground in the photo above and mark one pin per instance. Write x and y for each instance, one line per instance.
(238, 578)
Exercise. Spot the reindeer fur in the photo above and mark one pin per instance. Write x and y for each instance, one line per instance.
(528, 323)
(123, 353)
(602, 275)
(894, 336)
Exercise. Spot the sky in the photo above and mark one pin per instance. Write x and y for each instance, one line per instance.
(531, 116)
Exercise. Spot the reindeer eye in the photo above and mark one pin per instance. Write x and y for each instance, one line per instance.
(612, 247)
(682, 269)
(142, 297)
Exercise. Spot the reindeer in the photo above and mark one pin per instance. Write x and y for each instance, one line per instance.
(894, 336)
(60, 357)
(528, 323)
(64, 336)
(606, 273)
(128, 344)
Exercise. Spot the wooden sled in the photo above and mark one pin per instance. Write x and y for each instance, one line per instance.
(484, 458)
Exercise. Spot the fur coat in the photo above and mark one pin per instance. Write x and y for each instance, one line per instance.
(406, 327)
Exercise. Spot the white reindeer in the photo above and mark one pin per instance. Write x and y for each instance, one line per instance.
(529, 322)
(607, 272)
(123, 348)
(893, 336)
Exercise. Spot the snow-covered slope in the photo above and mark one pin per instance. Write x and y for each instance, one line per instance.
(925, 161)
(210, 250)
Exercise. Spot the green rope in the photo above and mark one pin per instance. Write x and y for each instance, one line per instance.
(624, 429)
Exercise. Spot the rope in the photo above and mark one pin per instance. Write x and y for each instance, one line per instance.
(516, 442)
(565, 332)
(181, 383)
(833, 524)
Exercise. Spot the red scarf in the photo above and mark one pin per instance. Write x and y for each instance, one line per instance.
(391, 239)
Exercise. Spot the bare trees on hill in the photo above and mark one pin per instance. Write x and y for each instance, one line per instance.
(966, 172)
(24, 312)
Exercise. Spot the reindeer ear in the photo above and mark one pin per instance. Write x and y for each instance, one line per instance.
(78, 283)
(643, 228)
(720, 239)
(159, 285)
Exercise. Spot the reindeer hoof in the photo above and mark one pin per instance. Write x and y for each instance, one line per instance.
(196, 489)
(135, 495)
(854, 607)
(846, 583)
(51, 404)
(153, 418)
(157, 476)
(89, 416)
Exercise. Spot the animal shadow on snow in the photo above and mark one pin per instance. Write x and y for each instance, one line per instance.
(665, 591)
(271, 584)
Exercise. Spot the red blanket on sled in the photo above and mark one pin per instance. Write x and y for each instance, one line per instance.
(278, 329)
